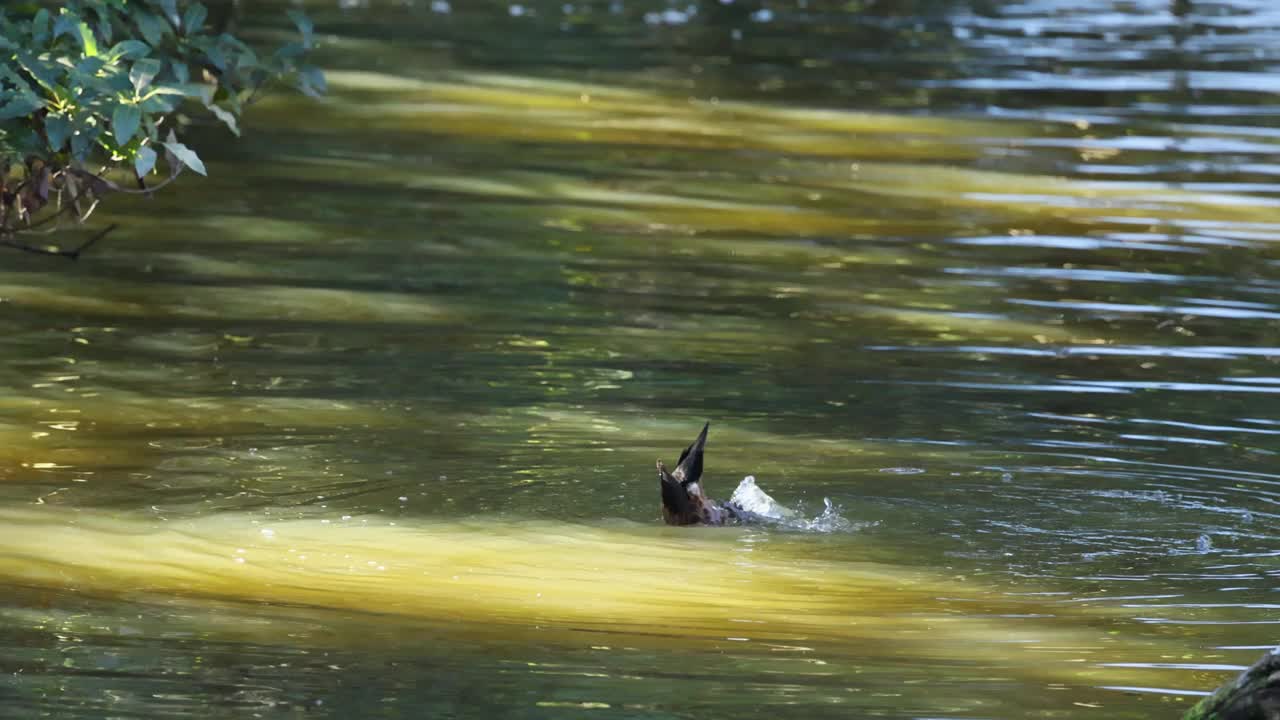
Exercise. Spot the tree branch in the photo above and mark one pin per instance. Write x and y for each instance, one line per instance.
(72, 253)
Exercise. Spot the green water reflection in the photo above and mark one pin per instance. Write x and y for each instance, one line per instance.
(997, 280)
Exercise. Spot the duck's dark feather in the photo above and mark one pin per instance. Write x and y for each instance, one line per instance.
(683, 502)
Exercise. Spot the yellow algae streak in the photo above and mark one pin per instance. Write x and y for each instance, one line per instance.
(526, 108)
(520, 572)
(1019, 194)
(123, 410)
(241, 302)
(689, 585)
(888, 161)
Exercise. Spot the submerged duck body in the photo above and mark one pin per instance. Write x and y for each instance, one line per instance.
(683, 501)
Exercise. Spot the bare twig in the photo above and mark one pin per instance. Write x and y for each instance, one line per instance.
(84, 190)
(117, 187)
(72, 253)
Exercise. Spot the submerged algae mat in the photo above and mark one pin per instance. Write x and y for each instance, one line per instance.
(495, 105)
(652, 586)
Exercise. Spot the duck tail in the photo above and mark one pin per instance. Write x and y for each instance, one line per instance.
(679, 505)
(689, 468)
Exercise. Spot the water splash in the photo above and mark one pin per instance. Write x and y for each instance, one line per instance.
(763, 508)
(748, 496)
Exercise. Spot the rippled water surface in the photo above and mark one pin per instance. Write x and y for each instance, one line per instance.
(364, 425)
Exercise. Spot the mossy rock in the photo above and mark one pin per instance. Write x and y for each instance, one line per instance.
(1255, 695)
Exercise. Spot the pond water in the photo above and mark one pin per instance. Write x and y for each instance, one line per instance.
(364, 425)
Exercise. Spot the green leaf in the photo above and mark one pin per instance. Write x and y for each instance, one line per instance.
(57, 128)
(193, 18)
(45, 73)
(304, 25)
(66, 24)
(87, 40)
(20, 106)
(110, 81)
(152, 129)
(40, 28)
(226, 117)
(82, 142)
(180, 90)
(185, 155)
(216, 56)
(195, 91)
(170, 8)
(153, 29)
(128, 50)
(143, 72)
(22, 140)
(290, 51)
(311, 81)
(104, 25)
(90, 66)
(233, 42)
(19, 83)
(124, 123)
(248, 60)
(87, 82)
(144, 161)
(157, 103)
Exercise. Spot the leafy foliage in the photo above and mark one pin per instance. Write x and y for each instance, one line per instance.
(95, 92)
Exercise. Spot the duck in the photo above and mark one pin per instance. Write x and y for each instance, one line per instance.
(683, 500)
